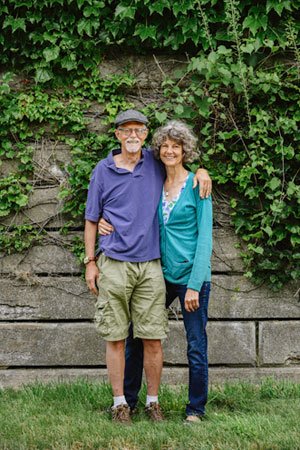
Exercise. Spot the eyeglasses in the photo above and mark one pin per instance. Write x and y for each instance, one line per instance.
(128, 131)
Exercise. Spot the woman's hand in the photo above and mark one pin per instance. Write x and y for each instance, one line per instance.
(104, 228)
(191, 300)
(203, 179)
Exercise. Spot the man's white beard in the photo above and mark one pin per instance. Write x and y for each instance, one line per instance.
(132, 145)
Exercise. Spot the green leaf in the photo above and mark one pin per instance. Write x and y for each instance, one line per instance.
(295, 240)
(292, 188)
(50, 37)
(90, 11)
(255, 22)
(22, 200)
(80, 3)
(203, 106)
(125, 12)
(213, 57)
(161, 117)
(233, 203)
(222, 50)
(248, 48)
(4, 212)
(257, 249)
(268, 230)
(85, 26)
(199, 64)
(278, 6)
(69, 62)
(225, 74)
(14, 23)
(145, 32)
(182, 7)
(178, 110)
(158, 7)
(51, 53)
(274, 183)
(42, 75)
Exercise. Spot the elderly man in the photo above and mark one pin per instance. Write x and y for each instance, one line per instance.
(125, 189)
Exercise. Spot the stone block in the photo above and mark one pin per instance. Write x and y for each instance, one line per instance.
(221, 212)
(235, 297)
(45, 298)
(50, 344)
(94, 116)
(226, 256)
(50, 161)
(50, 258)
(44, 208)
(149, 71)
(221, 375)
(229, 343)
(8, 166)
(279, 342)
(78, 344)
(61, 298)
(17, 378)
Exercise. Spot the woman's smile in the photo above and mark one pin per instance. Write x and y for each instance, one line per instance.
(171, 152)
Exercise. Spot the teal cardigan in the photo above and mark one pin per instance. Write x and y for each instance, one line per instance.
(186, 239)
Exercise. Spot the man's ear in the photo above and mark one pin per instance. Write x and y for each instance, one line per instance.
(117, 132)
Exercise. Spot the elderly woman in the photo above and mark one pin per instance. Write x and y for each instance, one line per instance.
(186, 244)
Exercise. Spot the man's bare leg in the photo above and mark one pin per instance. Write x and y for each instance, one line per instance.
(153, 362)
(115, 361)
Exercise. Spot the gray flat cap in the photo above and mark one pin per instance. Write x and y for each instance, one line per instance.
(130, 115)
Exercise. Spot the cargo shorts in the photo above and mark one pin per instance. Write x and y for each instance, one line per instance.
(130, 293)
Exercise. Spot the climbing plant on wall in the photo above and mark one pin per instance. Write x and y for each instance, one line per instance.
(239, 90)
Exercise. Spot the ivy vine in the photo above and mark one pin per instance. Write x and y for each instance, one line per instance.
(239, 89)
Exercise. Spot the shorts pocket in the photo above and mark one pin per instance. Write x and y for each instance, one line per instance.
(101, 318)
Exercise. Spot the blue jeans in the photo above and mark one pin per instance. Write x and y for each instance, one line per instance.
(195, 327)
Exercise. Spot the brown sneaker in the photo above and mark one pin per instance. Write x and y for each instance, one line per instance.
(154, 412)
(121, 414)
(194, 419)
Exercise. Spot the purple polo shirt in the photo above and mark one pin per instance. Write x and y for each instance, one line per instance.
(129, 201)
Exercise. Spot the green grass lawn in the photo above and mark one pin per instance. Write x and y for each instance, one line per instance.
(74, 416)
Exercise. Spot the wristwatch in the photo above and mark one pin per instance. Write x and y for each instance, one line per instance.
(88, 259)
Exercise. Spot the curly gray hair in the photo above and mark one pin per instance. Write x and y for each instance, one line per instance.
(179, 132)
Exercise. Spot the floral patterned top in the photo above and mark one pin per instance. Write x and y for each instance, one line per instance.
(168, 206)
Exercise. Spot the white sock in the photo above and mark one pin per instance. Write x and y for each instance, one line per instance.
(151, 399)
(120, 400)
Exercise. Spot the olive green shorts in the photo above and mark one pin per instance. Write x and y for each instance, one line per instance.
(130, 292)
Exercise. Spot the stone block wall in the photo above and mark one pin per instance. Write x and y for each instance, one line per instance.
(46, 312)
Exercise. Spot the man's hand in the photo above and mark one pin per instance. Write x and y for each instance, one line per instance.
(205, 182)
(191, 300)
(104, 228)
(91, 276)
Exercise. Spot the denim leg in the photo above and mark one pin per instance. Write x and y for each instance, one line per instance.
(134, 361)
(195, 327)
(172, 292)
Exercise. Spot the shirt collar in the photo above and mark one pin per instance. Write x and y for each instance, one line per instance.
(116, 151)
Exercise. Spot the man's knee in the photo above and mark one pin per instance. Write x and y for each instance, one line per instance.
(116, 346)
(152, 345)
